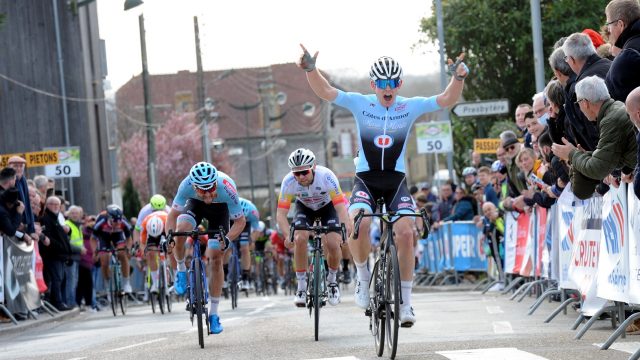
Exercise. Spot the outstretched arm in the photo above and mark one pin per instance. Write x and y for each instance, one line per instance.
(318, 83)
(453, 91)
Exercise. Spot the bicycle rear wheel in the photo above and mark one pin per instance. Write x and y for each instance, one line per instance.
(317, 278)
(198, 301)
(392, 299)
(376, 324)
(167, 280)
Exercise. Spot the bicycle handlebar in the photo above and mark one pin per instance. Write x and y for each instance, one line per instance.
(195, 234)
(320, 229)
(391, 217)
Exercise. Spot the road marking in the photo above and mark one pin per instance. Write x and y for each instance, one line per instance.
(260, 309)
(490, 354)
(494, 310)
(627, 346)
(339, 358)
(78, 358)
(136, 345)
(502, 327)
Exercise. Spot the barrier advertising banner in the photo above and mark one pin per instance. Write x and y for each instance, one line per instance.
(468, 253)
(21, 290)
(568, 212)
(510, 241)
(553, 238)
(633, 219)
(541, 231)
(445, 241)
(521, 244)
(584, 259)
(613, 262)
(526, 248)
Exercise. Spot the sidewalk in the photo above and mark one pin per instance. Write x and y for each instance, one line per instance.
(44, 318)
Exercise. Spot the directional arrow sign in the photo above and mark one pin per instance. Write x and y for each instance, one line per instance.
(482, 108)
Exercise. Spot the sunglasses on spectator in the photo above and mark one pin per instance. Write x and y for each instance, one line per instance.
(206, 191)
(383, 83)
(511, 147)
(301, 173)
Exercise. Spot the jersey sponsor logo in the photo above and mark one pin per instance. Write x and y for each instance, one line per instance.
(228, 186)
(383, 141)
(405, 205)
(401, 107)
(361, 194)
(405, 198)
(330, 179)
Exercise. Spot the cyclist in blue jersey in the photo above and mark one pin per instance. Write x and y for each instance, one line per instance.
(248, 234)
(205, 193)
(383, 120)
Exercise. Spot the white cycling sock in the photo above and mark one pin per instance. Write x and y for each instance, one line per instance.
(405, 289)
(181, 265)
(302, 280)
(125, 280)
(331, 278)
(213, 308)
(363, 271)
(155, 276)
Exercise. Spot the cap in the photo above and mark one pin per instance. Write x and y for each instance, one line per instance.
(595, 37)
(508, 138)
(16, 159)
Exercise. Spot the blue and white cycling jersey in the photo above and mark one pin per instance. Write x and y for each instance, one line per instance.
(227, 193)
(251, 213)
(383, 131)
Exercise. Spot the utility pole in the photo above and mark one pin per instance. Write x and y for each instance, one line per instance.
(538, 54)
(443, 77)
(265, 87)
(151, 137)
(202, 115)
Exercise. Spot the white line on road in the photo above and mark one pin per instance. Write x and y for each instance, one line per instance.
(339, 358)
(78, 358)
(490, 354)
(260, 309)
(494, 310)
(136, 345)
(626, 346)
(502, 327)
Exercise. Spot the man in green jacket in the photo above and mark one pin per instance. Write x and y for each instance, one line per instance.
(616, 147)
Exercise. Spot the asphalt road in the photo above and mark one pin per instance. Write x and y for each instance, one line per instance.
(451, 325)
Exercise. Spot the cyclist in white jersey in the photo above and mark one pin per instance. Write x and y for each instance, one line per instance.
(317, 194)
(383, 120)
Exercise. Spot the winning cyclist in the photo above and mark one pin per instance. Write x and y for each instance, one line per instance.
(384, 121)
(318, 195)
(112, 230)
(205, 193)
(153, 227)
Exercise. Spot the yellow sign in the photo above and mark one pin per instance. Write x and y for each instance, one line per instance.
(486, 146)
(36, 158)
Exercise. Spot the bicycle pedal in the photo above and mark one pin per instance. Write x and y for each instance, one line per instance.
(406, 325)
(368, 312)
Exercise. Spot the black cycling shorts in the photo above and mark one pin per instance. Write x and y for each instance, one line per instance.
(370, 186)
(327, 215)
(216, 213)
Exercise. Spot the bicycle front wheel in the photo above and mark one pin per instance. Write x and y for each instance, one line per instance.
(198, 301)
(376, 322)
(317, 278)
(233, 281)
(113, 292)
(392, 299)
(161, 288)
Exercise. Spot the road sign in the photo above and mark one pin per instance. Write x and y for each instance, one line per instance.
(486, 146)
(434, 137)
(481, 108)
(34, 158)
(68, 166)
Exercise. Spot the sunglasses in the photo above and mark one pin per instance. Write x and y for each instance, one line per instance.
(383, 83)
(207, 191)
(511, 147)
(301, 173)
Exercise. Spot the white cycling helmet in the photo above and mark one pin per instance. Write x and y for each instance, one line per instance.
(203, 175)
(385, 68)
(469, 171)
(155, 227)
(302, 158)
(261, 226)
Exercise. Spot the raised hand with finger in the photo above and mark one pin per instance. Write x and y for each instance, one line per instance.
(307, 62)
(458, 69)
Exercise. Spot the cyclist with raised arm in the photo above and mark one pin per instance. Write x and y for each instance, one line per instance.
(384, 121)
(205, 193)
(153, 228)
(111, 230)
(317, 194)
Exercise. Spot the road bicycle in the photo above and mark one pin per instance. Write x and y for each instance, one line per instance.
(163, 296)
(197, 290)
(116, 294)
(384, 285)
(317, 273)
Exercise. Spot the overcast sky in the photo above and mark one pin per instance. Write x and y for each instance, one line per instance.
(350, 35)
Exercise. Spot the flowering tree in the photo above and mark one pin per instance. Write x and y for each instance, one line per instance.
(178, 147)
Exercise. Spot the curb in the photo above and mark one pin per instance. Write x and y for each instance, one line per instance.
(43, 318)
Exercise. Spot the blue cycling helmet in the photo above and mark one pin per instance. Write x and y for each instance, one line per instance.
(114, 212)
(203, 175)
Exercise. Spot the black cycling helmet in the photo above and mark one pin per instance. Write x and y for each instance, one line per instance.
(114, 212)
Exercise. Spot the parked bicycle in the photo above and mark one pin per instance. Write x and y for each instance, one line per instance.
(197, 290)
(384, 286)
(317, 273)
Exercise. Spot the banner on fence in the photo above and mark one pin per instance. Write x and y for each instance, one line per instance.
(510, 241)
(522, 234)
(633, 219)
(21, 291)
(584, 259)
(553, 242)
(568, 212)
(468, 252)
(541, 230)
(613, 262)
(445, 246)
